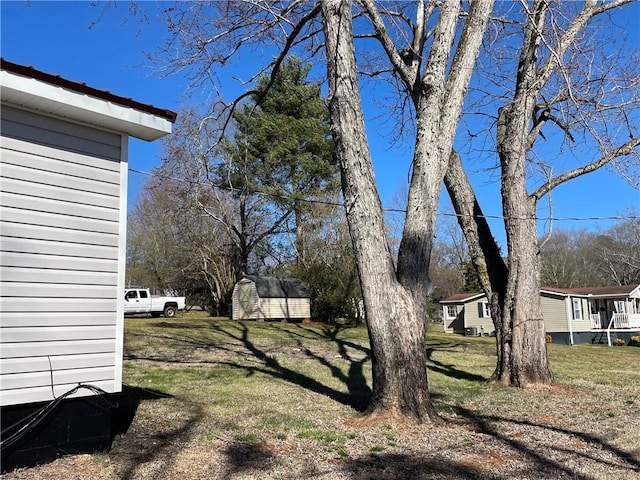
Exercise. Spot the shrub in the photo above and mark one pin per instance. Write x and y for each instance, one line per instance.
(618, 342)
(635, 341)
(548, 338)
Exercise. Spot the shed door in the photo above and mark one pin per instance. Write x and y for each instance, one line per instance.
(246, 299)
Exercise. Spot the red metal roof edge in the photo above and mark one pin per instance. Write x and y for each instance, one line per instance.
(85, 89)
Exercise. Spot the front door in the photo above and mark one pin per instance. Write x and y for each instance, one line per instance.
(602, 311)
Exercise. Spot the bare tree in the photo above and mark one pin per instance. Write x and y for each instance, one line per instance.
(429, 50)
(173, 247)
(578, 258)
(560, 81)
(395, 296)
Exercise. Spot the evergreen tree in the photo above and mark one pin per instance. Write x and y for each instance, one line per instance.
(283, 147)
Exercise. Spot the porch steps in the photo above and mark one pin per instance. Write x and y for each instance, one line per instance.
(600, 338)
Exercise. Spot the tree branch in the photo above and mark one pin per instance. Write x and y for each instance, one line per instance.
(625, 149)
(408, 72)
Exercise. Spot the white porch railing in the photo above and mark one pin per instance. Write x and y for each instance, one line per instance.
(622, 320)
(617, 320)
(626, 320)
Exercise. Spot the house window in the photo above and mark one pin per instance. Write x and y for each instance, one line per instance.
(483, 310)
(621, 306)
(577, 308)
(452, 311)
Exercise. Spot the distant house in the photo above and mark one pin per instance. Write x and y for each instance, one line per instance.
(64, 149)
(571, 315)
(468, 314)
(258, 297)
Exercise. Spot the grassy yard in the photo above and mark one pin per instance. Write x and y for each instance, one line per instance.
(216, 399)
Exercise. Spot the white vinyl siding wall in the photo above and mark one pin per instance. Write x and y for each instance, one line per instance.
(283, 308)
(63, 216)
(247, 305)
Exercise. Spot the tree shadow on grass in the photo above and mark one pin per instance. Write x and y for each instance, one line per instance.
(449, 369)
(358, 395)
(397, 466)
(126, 404)
(246, 456)
(485, 424)
(154, 442)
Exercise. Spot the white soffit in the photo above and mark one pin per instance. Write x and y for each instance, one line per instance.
(51, 99)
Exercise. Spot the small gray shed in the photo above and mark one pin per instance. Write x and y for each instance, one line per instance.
(258, 297)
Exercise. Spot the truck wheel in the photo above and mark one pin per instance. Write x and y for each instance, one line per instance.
(169, 312)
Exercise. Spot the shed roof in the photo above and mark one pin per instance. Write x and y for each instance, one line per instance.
(273, 287)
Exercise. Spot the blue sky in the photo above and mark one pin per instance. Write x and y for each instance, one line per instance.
(56, 37)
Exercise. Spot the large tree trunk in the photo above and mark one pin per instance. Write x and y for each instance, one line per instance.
(522, 355)
(513, 289)
(396, 328)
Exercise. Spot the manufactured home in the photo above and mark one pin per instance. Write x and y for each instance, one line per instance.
(257, 297)
(63, 191)
(571, 315)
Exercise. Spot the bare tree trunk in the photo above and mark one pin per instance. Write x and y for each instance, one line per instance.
(397, 333)
(523, 357)
(483, 251)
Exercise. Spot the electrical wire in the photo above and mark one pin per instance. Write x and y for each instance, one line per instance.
(36, 418)
(399, 210)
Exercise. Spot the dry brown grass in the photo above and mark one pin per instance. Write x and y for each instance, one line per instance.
(271, 401)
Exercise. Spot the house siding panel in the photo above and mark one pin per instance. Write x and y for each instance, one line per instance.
(554, 312)
(53, 262)
(295, 308)
(57, 133)
(41, 394)
(57, 276)
(473, 319)
(583, 325)
(50, 190)
(44, 219)
(57, 207)
(65, 347)
(60, 251)
(51, 319)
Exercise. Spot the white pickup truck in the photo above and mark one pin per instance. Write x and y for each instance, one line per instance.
(138, 300)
